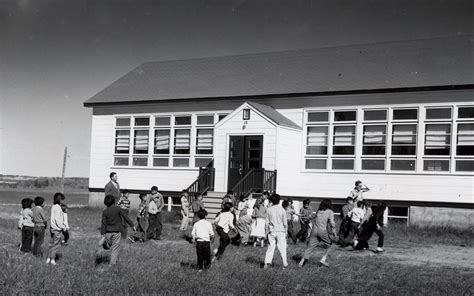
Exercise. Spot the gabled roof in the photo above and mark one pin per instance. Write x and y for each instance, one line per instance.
(391, 65)
(274, 115)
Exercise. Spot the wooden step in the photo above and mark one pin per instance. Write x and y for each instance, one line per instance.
(216, 194)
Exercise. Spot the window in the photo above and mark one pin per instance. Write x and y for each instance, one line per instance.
(373, 164)
(375, 115)
(204, 139)
(160, 162)
(317, 142)
(465, 165)
(318, 116)
(465, 139)
(182, 141)
(374, 140)
(436, 165)
(181, 162)
(438, 113)
(404, 139)
(344, 140)
(122, 141)
(437, 139)
(142, 121)
(205, 120)
(316, 164)
(466, 112)
(121, 161)
(140, 143)
(162, 141)
(345, 115)
(121, 122)
(140, 161)
(405, 114)
(182, 120)
(342, 164)
(403, 164)
(202, 162)
(162, 120)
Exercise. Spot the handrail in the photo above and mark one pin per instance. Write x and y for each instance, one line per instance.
(256, 180)
(203, 183)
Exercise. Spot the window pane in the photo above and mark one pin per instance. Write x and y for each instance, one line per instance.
(342, 164)
(181, 162)
(316, 164)
(122, 122)
(318, 116)
(374, 134)
(465, 139)
(398, 211)
(208, 119)
(373, 150)
(122, 141)
(403, 114)
(437, 139)
(317, 140)
(344, 115)
(202, 162)
(119, 161)
(404, 139)
(204, 141)
(375, 115)
(373, 164)
(162, 142)
(160, 162)
(403, 165)
(465, 166)
(436, 165)
(344, 140)
(140, 161)
(466, 112)
(438, 113)
(162, 120)
(182, 120)
(222, 116)
(182, 141)
(142, 121)
(141, 142)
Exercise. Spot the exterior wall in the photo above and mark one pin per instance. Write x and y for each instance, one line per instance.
(289, 156)
(233, 125)
(442, 217)
(101, 164)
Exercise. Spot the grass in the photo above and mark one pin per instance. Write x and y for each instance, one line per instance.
(167, 267)
(15, 196)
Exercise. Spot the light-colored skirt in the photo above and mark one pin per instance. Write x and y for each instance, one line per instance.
(258, 228)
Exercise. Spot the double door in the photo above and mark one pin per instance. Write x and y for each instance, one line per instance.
(245, 153)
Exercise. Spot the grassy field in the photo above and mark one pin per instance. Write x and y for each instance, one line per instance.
(416, 262)
(15, 196)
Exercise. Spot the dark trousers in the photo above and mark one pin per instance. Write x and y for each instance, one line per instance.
(66, 236)
(291, 230)
(125, 226)
(303, 233)
(367, 233)
(159, 225)
(203, 251)
(26, 238)
(223, 242)
(152, 222)
(38, 235)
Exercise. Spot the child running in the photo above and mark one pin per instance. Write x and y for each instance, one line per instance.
(40, 222)
(356, 215)
(374, 224)
(224, 223)
(320, 237)
(202, 234)
(26, 225)
(112, 227)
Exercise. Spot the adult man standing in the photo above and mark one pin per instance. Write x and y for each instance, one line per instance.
(113, 187)
(276, 226)
(160, 203)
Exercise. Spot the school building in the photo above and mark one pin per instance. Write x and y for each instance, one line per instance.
(305, 123)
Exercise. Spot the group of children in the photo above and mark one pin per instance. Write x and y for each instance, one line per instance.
(33, 224)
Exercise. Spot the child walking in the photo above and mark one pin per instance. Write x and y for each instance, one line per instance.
(277, 227)
(57, 227)
(224, 222)
(202, 234)
(26, 225)
(356, 215)
(320, 235)
(305, 213)
(112, 227)
(40, 222)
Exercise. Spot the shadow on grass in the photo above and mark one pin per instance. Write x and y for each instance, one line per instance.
(255, 261)
(101, 258)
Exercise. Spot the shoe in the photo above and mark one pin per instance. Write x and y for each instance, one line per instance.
(355, 243)
(324, 263)
(53, 262)
(255, 244)
(213, 259)
(266, 265)
(379, 250)
(102, 241)
(131, 239)
(215, 251)
(48, 260)
(302, 262)
(200, 270)
(285, 267)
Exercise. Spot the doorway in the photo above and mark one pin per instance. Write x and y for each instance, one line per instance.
(245, 153)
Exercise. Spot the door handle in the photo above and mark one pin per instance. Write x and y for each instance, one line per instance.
(240, 170)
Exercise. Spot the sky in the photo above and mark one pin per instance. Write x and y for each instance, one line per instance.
(54, 55)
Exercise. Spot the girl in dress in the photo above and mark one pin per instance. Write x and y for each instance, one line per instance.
(258, 226)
